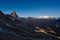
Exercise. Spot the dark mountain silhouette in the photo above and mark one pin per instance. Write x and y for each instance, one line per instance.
(14, 28)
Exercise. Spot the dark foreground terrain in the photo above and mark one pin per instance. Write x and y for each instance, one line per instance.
(13, 27)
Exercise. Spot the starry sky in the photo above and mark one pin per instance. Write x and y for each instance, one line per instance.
(34, 8)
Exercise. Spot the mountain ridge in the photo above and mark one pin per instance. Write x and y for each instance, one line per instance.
(23, 29)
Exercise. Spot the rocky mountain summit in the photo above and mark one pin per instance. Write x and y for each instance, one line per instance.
(12, 27)
(14, 14)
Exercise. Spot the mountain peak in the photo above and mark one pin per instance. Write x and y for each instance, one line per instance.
(14, 14)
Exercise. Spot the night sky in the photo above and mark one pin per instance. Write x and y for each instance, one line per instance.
(35, 8)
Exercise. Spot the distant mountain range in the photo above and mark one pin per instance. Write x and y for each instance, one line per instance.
(13, 27)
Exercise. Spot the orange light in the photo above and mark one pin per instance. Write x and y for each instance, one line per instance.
(41, 30)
